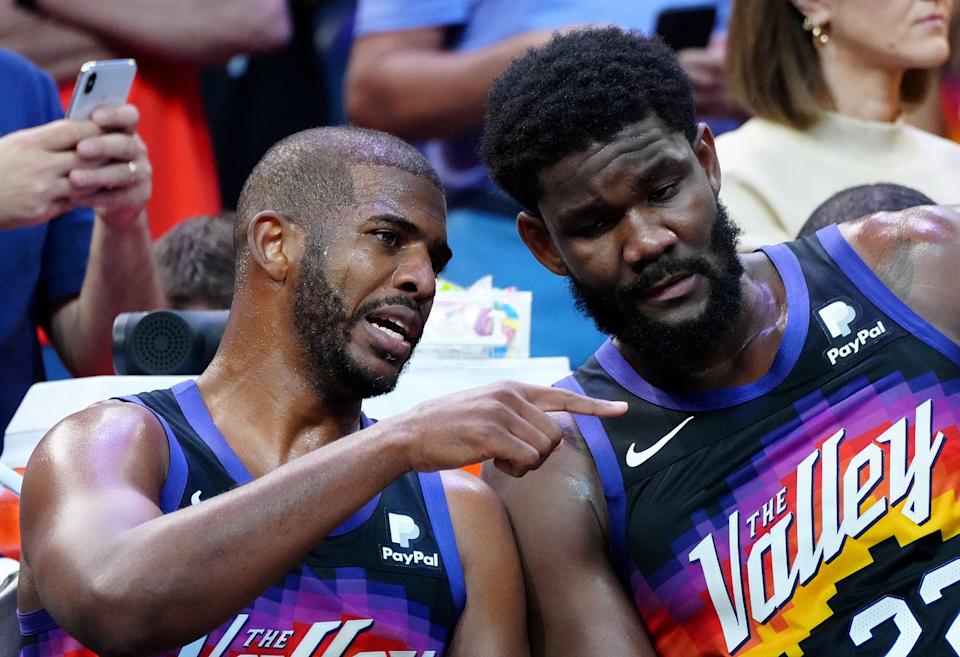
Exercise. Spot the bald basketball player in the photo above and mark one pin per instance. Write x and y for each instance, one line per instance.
(785, 480)
(257, 510)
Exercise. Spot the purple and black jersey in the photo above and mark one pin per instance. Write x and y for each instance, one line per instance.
(387, 583)
(812, 512)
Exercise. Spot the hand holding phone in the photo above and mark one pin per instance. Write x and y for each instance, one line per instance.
(100, 83)
(113, 174)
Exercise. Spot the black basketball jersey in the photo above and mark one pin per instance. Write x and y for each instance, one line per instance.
(387, 583)
(812, 512)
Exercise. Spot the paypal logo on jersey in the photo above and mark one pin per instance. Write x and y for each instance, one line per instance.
(403, 529)
(836, 317)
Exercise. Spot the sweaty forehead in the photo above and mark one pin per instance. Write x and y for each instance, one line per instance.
(636, 146)
(386, 189)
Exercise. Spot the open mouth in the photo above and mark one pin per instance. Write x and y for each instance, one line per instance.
(391, 327)
(394, 330)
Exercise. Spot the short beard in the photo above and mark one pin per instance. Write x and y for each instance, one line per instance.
(323, 330)
(615, 312)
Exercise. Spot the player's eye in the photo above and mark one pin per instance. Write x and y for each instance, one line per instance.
(663, 193)
(388, 237)
(597, 224)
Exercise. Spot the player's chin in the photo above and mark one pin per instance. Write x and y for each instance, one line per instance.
(679, 314)
(380, 382)
(385, 365)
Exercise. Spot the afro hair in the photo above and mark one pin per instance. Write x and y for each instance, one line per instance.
(583, 87)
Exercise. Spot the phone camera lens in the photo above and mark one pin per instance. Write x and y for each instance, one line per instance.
(90, 82)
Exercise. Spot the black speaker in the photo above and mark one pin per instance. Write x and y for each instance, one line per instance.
(167, 341)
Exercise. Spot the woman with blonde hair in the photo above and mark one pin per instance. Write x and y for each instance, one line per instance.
(827, 82)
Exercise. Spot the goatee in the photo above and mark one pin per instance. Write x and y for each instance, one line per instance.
(615, 312)
(323, 329)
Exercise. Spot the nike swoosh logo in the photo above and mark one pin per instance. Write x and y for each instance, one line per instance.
(195, 499)
(635, 458)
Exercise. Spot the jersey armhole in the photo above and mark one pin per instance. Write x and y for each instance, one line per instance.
(175, 483)
(611, 478)
(436, 502)
(853, 266)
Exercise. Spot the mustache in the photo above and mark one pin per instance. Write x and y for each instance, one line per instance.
(395, 300)
(657, 271)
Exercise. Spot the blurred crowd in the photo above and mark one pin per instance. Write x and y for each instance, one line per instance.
(131, 209)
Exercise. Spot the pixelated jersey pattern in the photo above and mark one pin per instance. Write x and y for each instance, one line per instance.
(380, 585)
(790, 598)
(812, 512)
(347, 616)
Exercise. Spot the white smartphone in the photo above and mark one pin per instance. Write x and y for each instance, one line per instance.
(103, 82)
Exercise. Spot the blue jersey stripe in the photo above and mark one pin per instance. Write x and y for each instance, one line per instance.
(436, 502)
(610, 476)
(191, 403)
(176, 480)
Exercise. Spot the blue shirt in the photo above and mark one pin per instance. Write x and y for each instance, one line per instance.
(478, 23)
(42, 266)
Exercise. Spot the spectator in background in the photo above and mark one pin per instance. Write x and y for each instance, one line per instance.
(860, 201)
(63, 266)
(950, 83)
(828, 103)
(422, 71)
(171, 39)
(939, 111)
(195, 262)
(241, 97)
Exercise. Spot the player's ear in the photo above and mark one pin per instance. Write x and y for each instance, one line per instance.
(273, 241)
(533, 231)
(706, 151)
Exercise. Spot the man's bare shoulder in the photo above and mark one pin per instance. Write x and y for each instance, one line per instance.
(568, 478)
(914, 253)
(106, 432)
(881, 235)
(465, 489)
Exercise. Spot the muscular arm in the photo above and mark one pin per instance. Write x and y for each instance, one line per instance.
(915, 253)
(493, 622)
(577, 606)
(406, 83)
(92, 530)
(195, 31)
(125, 579)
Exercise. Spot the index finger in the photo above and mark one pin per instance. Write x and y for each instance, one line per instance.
(117, 117)
(558, 399)
(63, 134)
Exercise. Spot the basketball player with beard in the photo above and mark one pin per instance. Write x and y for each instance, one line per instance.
(257, 510)
(784, 481)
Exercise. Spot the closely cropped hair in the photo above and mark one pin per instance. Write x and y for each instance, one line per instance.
(195, 262)
(773, 68)
(306, 176)
(581, 88)
(855, 202)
